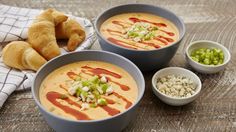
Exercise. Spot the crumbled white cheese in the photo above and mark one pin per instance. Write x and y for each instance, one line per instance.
(77, 99)
(90, 90)
(143, 32)
(72, 90)
(88, 100)
(176, 86)
(103, 79)
(109, 90)
(137, 39)
(85, 88)
(84, 106)
(140, 31)
(91, 96)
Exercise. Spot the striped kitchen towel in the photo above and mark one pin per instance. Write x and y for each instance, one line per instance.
(14, 24)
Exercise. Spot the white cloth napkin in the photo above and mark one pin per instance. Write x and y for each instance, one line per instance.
(14, 23)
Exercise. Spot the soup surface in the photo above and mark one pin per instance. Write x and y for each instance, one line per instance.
(140, 31)
(88, 90)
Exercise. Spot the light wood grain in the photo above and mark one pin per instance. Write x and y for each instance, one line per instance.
(214, 109)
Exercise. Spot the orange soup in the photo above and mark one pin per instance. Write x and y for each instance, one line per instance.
(88, 90)
(140, 31)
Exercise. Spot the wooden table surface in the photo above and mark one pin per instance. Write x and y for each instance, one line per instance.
(213, 110)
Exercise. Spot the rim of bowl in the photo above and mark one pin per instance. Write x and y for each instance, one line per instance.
(166, 10)
(89, 121)
(213, 43)
(199, 84)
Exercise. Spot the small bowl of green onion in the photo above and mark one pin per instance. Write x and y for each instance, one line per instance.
(207, 56)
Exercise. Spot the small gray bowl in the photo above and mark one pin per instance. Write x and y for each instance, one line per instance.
(176, 101)
(146, 60)
(115, 123)
(207, 69)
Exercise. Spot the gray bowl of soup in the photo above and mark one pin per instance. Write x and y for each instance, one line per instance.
(88, 91)
(147, 35)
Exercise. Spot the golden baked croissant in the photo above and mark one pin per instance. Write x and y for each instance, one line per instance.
(59, 17)
(71, 30)
(41, 34)
(20, 55)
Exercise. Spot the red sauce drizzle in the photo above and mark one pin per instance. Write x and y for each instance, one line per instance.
(163, 41)
(122, 86)
(167, 39)
(72, 75)
(120, 23)
(117, 35)
(63, 87)
(110, 111)
(134, 20)
(114, 31)
(169, 33)
(84, 71)
(151, 44)
(72, 102)
(52, 96)
(109, 101)
(146, 43)
(120, 43)
(99, 71)
(128, 103)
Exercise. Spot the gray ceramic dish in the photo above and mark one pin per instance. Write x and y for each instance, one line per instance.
(145, 60)
(115, 123)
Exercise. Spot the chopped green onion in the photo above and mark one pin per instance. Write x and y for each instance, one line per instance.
(208, 56)
(85, 94)
(90, 90)
(102, 101)
(85, 83)
(93, 105)
(104, 87)
(96, 94)
(95, 79)
(78, 92)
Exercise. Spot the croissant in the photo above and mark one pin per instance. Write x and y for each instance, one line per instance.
(71, 30)
(59, 17)
(41, 34)
(20, 55)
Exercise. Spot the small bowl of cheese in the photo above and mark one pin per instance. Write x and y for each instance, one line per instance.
(176, 86)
